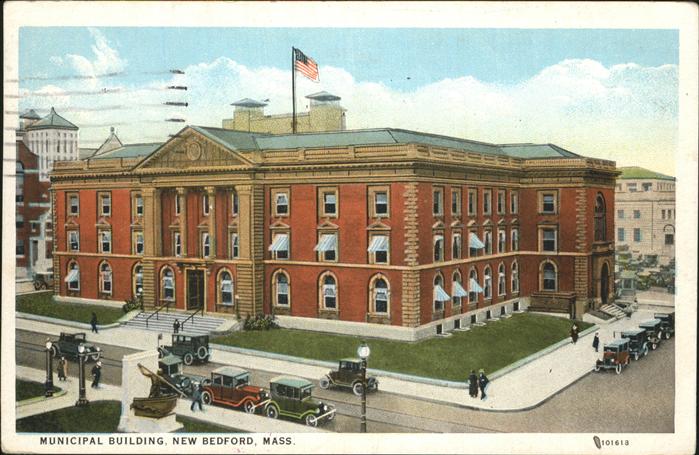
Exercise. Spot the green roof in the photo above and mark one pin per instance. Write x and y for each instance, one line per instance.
(291, 381)
(170, 360)
(616, 343)
(527, 151)
(30, 114)
(129, 151)
(636, 172)
(632, 332)
(52, 120)
(230, 371)
(651, 323)
(231, 139)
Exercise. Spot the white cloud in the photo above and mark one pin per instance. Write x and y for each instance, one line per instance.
(105, 59)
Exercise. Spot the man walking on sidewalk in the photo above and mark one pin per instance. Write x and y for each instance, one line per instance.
(483, 383)
(93, 322)
(473, 384)
(96, 375)
(197, 398)
(62, 369)
(595, 342)
(574, 333)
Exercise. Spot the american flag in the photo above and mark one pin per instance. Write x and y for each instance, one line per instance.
(306, 65)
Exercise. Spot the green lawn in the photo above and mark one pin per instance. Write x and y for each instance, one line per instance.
(491, 347)
(30, 389)
(42, 304)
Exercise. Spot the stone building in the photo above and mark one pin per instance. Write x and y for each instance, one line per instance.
(324, 114)
(645, 213)
(381, 232)
(51, 138)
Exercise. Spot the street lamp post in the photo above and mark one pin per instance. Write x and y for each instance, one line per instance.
(49, 370)
(82, 400)
(363, 352)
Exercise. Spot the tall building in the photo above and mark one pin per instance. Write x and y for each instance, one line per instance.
(380, 232)
(645, 212)
(324, 114)
(51, 138)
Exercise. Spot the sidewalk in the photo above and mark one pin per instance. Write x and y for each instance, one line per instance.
(523, 388)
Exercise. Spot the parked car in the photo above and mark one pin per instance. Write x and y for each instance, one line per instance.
(170, 367)
(291, 397)
(67, 345)
(349, 375)
(614, 356)
(229, 386)
(42, 280)
(638, 343)
(654, 332)
(189, 347)
(667, 323)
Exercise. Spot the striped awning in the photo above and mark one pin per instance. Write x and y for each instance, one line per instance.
(73, 275)
(474, 242)
(327, 242)
(474, 286)
(440, 294)
(280, 243)
(457, 290)
(378, 243)
(227, 285)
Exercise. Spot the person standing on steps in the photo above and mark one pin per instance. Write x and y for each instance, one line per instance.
(595, 342)
(93, 322)
(176, 326)
(473, 384)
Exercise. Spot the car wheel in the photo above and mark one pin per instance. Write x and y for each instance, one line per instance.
(358, 388)
(324, 382)
(249, 407)
(667, 335)
(206, 397)
(618, 368)
(37, 285)
(202, 352)
(645, 350)
(272, 412)
(311, 421)
(188, 359)
(635, 355)
(55, 351)
(653, 346)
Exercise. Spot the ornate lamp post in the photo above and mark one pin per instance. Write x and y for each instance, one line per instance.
(49, 370)
(363, 352)
(82, 400)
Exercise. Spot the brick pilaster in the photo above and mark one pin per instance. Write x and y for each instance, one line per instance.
(410, 303)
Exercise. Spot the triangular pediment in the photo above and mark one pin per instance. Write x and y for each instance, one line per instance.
(71, 222)
(438, 225)
(501, 221)
(487, 223)
(456, 224)
(103, 222)
(279, 225)
(326, 224)
(190, 149)
(378, 226)
(514, 221)
(471, 223)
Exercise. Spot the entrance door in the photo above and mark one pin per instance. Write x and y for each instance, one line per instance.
(604, 284)
(195, 289)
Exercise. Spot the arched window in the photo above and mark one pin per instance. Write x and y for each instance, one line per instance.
(669, 234)
(73, 276)
(487, 283)
(225, 288)
(280, 289)
(438, 248)
(501, 279)
(439, 294)
(457, 289)
(327, 291)
(501, 241)
(600, 218)
(167, 279)
(514, 239)
(473, 287)
(514, 283)
(105, 278)
(19, 196)
(549, 276)
(379, 295)
(137, 280)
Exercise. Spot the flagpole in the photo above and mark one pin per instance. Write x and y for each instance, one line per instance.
(293, 90)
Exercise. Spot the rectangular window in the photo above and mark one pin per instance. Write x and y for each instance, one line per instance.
(438, 248)
(669, 239)
(234, 204)
(548, 239)
(105, 204)
(631, 187)
(327, 247)
(514, 202)
(621, 234)
(547, 201)
(73, 204)
(502, 241)
(281, 203)
(455, 201)
(280, 246)
(647, 186)
(205, 244)
(73, 241)
(620, 214)
(19, 251)
(456, 246)
(471, 202)
(138, 205)
(205, 204)
(437, 201)
(501, 202)
(328, 200)
(637, 235)
(235, 245)
(178, 204)
(488, 242)
(378, 249)
(663, 213)
(514, 239)
(138, 242)
(380, 203)
(19, 221)
(636, 214)
(487, 200)
(105, 241)
(177, 239)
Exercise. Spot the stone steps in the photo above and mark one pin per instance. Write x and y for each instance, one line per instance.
(198, 325)
(613, 310)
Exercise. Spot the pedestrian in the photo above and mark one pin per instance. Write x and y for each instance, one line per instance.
(96, 375)
(595, 342)
(483, 383)
(93, 322)
(574, 333)
(197, 398)
(176, 326)
(62, 369)
(473, 384)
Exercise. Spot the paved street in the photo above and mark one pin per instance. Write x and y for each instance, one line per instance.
(639, 400)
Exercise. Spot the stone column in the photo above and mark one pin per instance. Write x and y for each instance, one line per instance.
(410, 302)
(211, 191)
(251, 249)
(182, 195)
(152, 240)
(582, 263)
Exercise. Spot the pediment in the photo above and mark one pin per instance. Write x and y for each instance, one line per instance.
(456, 224)
(71, 223)
(190, 149)
(103, 222)
(279, 225)
(326, 224)
(487, 223)
(378, 226)
(501, 222)
(514, 221)
(438, 225)
(471, 223)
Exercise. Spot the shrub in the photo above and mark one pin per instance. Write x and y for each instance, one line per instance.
(133, 304)
(260, 322)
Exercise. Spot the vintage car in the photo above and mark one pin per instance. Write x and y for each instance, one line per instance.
(349, 374)
(231, 387)
(42, 280)
(291, 397)
(170, 368)
(615, 355)
(667, 323)
(189, 347)
(67, 345)
(654, 332)
(638, 343)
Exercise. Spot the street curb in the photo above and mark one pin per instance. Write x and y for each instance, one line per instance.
(78, 325)
(33, 400)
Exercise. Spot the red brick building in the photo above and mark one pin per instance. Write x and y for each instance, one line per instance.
(410, 232)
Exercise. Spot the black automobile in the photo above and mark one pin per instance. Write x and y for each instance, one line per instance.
(638, 342)
(189, 347)
(654, 332)
(68, 343)
(349, 375)
(667, 323)
(170, 368)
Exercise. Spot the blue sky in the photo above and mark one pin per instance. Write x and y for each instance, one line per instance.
(604, 93)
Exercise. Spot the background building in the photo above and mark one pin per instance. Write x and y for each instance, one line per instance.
(51, 138)
(645, 213)
(324, 114)
(409, 232)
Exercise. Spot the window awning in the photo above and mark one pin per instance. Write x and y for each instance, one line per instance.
(458, 290)
(280, 243)
(327, 242)
(226, 285)
(73, 275)
(378, 243)
(440, 294)
(474, 242)
(474, 286)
